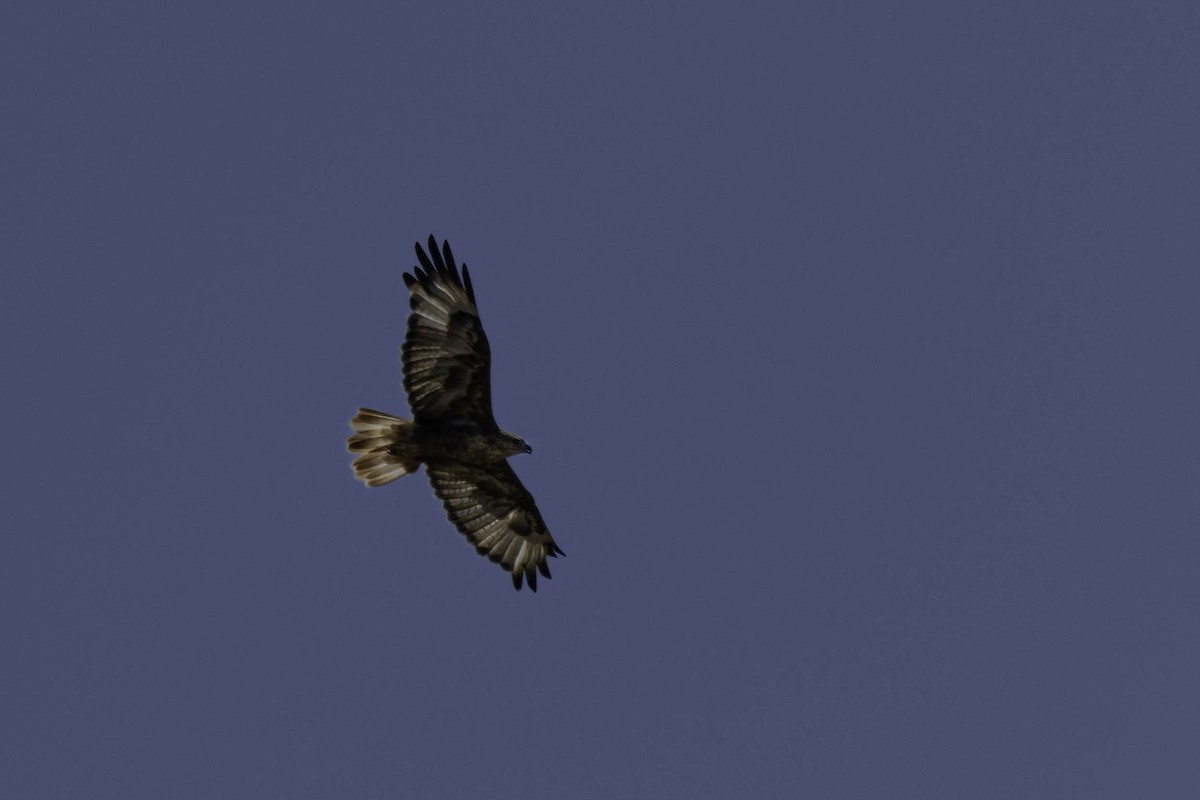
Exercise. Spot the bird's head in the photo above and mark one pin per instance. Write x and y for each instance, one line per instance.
(515, 443)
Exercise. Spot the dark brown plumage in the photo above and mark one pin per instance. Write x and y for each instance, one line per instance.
(446, 364)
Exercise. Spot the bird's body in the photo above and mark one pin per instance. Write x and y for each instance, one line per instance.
(465, 445)
(446, 362)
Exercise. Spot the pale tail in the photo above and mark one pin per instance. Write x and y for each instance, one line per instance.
(385, 443)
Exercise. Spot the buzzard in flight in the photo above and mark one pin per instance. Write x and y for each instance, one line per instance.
(446, 363)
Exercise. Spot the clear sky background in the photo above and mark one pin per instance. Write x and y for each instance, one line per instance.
(857, 344)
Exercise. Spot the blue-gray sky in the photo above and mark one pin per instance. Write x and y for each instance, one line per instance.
(857, 344)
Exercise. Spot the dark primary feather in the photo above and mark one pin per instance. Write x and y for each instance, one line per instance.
(447, 361)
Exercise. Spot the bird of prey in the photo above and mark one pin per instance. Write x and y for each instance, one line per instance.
(446, 364)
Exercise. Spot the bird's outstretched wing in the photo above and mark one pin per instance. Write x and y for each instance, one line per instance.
(497, 514)
(447, 361)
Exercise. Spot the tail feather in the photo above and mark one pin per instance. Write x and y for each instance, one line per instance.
(386, 447)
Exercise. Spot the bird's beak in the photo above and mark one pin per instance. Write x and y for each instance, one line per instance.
(528, 449)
